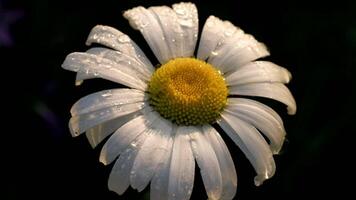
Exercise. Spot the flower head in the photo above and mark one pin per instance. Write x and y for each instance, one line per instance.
(162, 122)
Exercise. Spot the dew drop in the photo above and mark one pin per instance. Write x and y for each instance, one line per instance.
(187, 23)
(180, 11)
(214, 53)
(107, 94)
(143, 24)
(117, 103)
(124, 39)
(229, 32)
(210, 23)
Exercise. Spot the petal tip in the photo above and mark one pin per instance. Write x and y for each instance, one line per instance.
(291, 111)
(74, 129)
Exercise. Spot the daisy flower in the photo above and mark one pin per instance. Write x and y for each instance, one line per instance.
(161, 123)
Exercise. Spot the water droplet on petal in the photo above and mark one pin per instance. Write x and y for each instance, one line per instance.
(107, 94)
(180, 11)
(143, 24)
(124, 39)
(187, 23)
(214, 53)
(210, 23)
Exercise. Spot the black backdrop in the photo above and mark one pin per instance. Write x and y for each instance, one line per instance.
(315, 40)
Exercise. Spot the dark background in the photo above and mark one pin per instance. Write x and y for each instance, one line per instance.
(315, 40)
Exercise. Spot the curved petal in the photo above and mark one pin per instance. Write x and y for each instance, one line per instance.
(260, 116)
(259, 71)
(226, 164)
(160, 180)
(99, 132)
(207, 162)
(143, 72)
(157, 144)
(227, 47)
(215, 31)
(94, 65)
(119, 179)
(251, 142)
(119, 41)
(106, 98)
(80, 123)
(125, 135)
(169, 32)
(181, 174)
(276, 91)
(236, 52)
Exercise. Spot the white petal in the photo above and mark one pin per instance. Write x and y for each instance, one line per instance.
(143, 72)
(169, 33)
(187, 15)
(98, 133)
(125, 135)
(251, 142)
(226, 164)
(276, 91)
(157, 144)
(215, 31)
(260, 116)
(160, 180)
(236, 52)
(117, 40)
(119, 179)
(227, 47)
(81, 123)
(114, 56)
(181, 174)
(259, 71)
(106, 98)
(94, 65)
(207, 162)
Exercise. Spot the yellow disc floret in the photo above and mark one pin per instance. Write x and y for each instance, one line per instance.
(188, 91)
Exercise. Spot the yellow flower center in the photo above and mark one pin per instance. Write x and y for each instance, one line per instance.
(188, 91)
